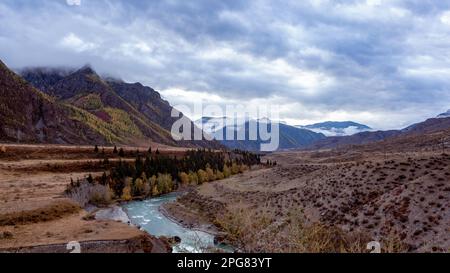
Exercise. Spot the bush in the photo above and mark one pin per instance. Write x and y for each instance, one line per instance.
(101, 195)
(84, 193)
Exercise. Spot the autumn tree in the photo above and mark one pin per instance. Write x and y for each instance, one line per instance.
(202, 176)
(184, 178)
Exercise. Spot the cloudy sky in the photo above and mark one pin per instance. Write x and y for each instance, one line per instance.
(382, 63)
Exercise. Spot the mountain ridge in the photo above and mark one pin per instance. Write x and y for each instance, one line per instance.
(337, 128)
(94, 105)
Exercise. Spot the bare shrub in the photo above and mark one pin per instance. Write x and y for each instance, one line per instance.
(84, 193)
(101, 195)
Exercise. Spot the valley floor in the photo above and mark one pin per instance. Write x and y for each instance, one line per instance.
(35, 216)
(399, 199)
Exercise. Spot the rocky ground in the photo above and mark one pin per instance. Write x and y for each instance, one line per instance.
(405, 196)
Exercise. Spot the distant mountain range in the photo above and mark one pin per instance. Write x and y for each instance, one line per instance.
(68, 106)
(415, 132)
(290, 137)
(444, 115)
(326, 135)
(337, 128)
(211, 125)
(46, 105)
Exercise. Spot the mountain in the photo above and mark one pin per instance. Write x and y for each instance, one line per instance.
(28, 115)
(43, 78)
(356, 139)
(290, 137)
(149, 103)
(428, 126)
(337, 128)
(213, 124)
(107, 111)
(444, 115)
(419, 133)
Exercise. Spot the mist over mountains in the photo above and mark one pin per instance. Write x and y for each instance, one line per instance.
(49, 105)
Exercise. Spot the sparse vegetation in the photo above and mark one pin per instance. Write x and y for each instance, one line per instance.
(54, 211)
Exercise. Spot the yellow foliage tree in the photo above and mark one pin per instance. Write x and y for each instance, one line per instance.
(153, 181)
(219, 175)
(193, 178)
(234, 168)
(202, 176)
(155, 191)
(210, 173)
(138, 186)
(184, 178)
(226, 171)
(126, 194)
(165, 183)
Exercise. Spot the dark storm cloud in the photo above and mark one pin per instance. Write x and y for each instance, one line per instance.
(385, 63)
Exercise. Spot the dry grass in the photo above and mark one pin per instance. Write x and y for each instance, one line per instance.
(57, 210)
(256, 234)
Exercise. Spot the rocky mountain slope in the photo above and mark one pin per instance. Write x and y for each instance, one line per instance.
(290, 137)
(28, 115)
(116, 111)
(424, 134)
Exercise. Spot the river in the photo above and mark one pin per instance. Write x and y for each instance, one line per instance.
(147, 215)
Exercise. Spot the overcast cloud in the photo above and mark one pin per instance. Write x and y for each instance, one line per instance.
(382, 63)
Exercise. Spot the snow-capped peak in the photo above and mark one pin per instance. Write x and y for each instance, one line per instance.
(337, 128)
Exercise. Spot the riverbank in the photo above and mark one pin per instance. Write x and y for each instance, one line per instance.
(189, 222)
(150, 215)
(93, 235)
(37, 216)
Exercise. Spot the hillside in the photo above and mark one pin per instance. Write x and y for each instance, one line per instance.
(290, 137)
(356, 139)
(118, 112)
(28, 115)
